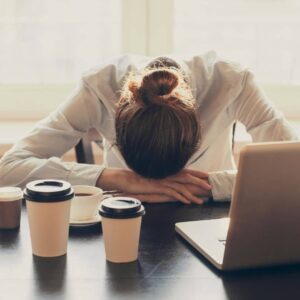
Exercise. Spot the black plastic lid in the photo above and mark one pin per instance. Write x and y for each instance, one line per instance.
(121, 208)
(48, 190)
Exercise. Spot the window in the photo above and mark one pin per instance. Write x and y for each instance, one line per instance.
(261, 34)
(54, 41)
(46, 45)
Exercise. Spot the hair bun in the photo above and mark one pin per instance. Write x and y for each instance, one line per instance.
(157, 84)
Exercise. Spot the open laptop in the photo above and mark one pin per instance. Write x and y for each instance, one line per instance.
(263, 228)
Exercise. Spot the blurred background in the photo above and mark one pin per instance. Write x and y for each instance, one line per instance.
(46, 45)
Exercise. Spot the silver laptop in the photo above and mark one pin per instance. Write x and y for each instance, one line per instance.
(263, 228)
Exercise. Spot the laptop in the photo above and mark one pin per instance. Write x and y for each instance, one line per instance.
(263, 228)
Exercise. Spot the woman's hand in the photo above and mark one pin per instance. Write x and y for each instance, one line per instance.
(157, 198)
(188, 186)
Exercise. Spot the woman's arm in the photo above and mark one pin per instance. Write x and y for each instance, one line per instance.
(36, 156)
(186, 186)
(262, 121)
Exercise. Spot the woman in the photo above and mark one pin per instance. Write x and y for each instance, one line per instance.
(166, 125)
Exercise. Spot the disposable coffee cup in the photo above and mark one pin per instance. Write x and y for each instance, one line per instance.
(10, 207)
(121, 224)
(48, 205)
(85, 204)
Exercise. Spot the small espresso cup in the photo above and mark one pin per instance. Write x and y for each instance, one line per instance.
(48, 206)
(85, 204)
(121, 223)
(10, 207)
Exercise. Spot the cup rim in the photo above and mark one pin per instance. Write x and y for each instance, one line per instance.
(98, 190)
(10, 194)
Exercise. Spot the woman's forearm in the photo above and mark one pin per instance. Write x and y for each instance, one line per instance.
(112, 179)
(187, 186)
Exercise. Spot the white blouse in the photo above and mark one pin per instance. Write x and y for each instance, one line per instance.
(225, 92)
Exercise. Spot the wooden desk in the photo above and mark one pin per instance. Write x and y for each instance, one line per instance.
(168, 268)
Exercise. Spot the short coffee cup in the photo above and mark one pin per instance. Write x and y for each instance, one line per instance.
(10, 207)
(85, 203)
(48, 206)
(121, 223)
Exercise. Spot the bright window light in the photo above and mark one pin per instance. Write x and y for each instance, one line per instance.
(54, 41)
(260, 34)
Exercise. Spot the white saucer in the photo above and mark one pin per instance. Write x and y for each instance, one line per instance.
(94, 220)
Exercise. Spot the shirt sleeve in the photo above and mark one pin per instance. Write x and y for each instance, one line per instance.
(37, 155)
(262, 121)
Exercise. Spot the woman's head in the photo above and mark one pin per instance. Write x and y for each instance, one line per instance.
(157, 129)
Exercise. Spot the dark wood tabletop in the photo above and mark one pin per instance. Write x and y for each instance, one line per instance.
(168, 268)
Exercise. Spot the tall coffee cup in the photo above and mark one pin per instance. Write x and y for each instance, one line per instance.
(10, 207)
(48, 206)
(121, 223)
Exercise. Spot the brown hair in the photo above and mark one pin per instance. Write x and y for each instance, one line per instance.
(157, 129)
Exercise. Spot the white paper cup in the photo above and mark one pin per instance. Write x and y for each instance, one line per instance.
(48, 207)
(85, 206)
(121, 224)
